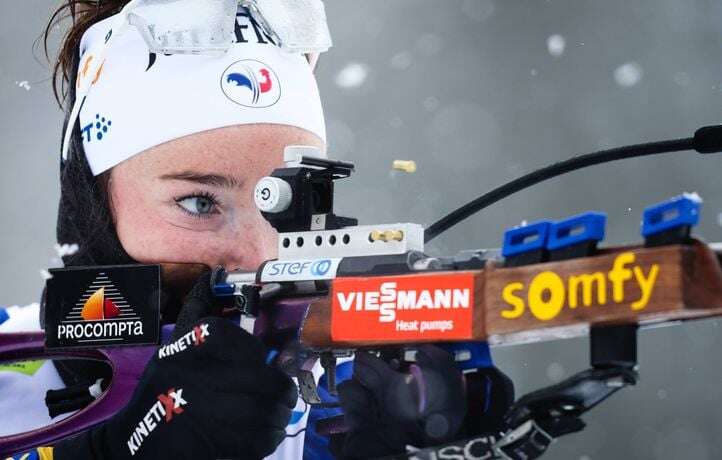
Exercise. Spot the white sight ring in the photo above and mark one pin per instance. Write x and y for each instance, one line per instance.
(272, 195)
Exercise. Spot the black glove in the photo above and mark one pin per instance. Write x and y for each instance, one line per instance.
(490, 394)
(386, 410)
(207, 394)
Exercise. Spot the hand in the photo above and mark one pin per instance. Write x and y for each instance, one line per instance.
(206, 394)
(386, 409)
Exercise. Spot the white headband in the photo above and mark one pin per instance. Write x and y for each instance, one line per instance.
(140, 99)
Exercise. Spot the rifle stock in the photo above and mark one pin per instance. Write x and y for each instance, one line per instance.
(687, 285)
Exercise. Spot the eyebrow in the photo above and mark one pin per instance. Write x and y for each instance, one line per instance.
(205, 179)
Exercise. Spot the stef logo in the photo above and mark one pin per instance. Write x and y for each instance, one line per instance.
(98, 129)
(320, 267)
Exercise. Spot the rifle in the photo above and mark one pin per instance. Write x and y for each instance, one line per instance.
(339, 288)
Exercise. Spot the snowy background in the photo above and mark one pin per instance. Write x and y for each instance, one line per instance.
(476, 92)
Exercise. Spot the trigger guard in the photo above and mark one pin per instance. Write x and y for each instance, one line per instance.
(127, 364)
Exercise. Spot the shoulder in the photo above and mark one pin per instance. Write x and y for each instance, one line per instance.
(20, 319)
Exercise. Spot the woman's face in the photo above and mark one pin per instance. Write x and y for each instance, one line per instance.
(190, 200)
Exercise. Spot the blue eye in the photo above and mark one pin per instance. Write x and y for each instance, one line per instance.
(197, 205)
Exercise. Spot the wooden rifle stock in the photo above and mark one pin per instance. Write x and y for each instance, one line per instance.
(620, 285)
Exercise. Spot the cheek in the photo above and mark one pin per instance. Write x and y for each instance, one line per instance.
(152, 241)
(141, 230)
(155, 241)
(149, 238)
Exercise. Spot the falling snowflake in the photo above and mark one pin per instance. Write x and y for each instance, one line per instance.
(23, 84)
(555, 372)
(681, 78)
(63, 250)
(556, 45)
(478, 10)
(352, 76)
(628, 74)
(402, 60)
(429, 44)
(431, 103)
(694, 196)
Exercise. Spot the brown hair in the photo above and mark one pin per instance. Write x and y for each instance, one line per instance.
(84, 215)
(82, 14)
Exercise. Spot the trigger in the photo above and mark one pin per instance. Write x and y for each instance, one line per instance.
(307, 387)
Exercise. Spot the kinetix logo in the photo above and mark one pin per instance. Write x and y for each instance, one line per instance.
(168, 404)
(196, 336)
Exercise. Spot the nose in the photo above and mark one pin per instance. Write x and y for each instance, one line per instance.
(251, 242)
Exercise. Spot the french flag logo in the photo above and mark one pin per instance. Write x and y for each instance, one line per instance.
(251, 83)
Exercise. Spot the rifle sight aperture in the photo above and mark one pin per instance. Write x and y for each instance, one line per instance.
(299, 196)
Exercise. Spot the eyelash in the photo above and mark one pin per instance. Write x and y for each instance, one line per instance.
(203, 194)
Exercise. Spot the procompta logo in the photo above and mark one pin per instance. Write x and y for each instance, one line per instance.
(102, 313)
(115, 305)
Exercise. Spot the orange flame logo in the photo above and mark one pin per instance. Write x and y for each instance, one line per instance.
(97, 307)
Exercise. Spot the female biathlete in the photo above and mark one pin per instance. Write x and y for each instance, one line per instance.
(159, 164)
